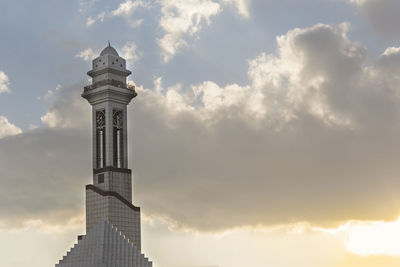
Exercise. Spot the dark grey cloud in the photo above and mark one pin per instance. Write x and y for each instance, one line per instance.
(313, 137)
(44, 170)
(43, 175)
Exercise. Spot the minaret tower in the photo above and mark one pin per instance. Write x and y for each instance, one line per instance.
(112, 222)
(110, 196)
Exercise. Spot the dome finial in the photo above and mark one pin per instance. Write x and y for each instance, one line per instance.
(109, 43)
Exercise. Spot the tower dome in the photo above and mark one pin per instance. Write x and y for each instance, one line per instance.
(109, 50)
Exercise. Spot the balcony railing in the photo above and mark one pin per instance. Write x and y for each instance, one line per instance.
(109, 82)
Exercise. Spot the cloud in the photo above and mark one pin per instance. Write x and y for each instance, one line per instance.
(370, 261)
(125, 9)
(391, 51)
(7, 128)
(87, 54)
(92, 20)
(180, 19)
(130, 53)
(382, 14)
(46, 187)
(374, 238)
(50, 93)
(358, 2)
(68, 110)
(242, 6)
(4, 83)
(44, 180)
(312, 137)
(298, 79)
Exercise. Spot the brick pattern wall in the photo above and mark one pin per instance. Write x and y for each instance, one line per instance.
(118, 213)
(115, 181)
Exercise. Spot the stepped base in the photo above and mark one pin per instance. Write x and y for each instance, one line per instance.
(104, 246)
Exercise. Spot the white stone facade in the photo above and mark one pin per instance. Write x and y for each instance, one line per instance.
(104, 246)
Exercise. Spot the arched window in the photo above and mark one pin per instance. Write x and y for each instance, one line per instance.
(100, 138)
(118, 139)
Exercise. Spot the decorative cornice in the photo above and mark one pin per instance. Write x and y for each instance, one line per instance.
(112, 169)
(109, 93)
(112, 194)
(109, 82)
(93, 73)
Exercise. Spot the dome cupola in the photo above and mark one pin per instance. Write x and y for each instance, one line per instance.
(109, 50)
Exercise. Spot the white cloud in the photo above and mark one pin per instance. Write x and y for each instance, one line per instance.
(281, 84)
(291, 82)
(68, 111)
(50, 93)
(215, 99)
(7, 128)
(92, 20)
(207, 101)
(358, 2)
(4, 83)
(56, 119)
(87, 54)
(125, 9)
(181, 18)
(130, 53)
(50, 119)
(391, 51)
(242, 6)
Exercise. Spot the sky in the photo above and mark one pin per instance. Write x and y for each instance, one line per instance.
(264, 133)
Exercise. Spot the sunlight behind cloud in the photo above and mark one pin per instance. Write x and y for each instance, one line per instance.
(374, 238)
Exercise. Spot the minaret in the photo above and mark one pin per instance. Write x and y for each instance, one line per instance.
(110, 196)
(112, 222)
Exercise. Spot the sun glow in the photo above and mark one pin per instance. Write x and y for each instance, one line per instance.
(374, 238)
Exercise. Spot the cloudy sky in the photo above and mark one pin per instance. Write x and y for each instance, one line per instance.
(265, 133)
